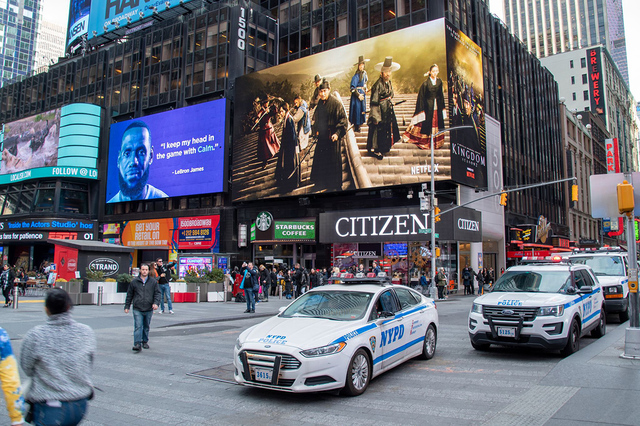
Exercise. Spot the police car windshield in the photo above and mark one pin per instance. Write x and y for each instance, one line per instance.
(333, 305)
(533, 281)
(602, 265)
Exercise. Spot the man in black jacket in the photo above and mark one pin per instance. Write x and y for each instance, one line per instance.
(164, 276)
(144, 293)
(7, 279)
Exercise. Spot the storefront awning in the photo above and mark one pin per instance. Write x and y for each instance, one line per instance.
(91, 245)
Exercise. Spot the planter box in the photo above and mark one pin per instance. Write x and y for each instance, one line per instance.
(184, 297)
(178, 287)
(107, 287)
(109, 298)
(81, 298)
(215, 296)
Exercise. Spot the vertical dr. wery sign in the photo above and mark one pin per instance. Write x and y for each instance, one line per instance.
(596, 79)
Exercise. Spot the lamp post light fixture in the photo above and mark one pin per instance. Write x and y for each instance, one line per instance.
(432, 199)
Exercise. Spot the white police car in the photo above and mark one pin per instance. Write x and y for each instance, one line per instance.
(337, 337)
(547, 306)
(612, 269)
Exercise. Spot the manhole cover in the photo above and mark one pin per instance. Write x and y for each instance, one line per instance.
(223, 373)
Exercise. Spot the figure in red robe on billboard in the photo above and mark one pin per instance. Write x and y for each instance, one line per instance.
(268, 143)
(429, 114)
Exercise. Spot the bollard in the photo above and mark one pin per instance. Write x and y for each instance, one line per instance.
(99, 301)
(15, 297)
(198, 296)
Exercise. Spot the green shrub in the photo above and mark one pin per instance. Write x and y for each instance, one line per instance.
(124, 278)
(94, 275)
(216, 275)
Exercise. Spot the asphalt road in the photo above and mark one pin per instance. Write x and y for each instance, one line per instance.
(459, 386)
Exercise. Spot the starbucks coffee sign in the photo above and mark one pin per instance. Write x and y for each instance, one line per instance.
(264, 221)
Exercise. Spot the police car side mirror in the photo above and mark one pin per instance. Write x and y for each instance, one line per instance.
(571, 290)
(385, 314)
(585, 289)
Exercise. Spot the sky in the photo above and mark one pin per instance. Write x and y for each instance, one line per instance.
(57, 11)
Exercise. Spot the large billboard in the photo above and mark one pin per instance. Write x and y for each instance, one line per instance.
(363, 117)
(170, 154)
(58, 143)
(109, 15)
(181, 233)
(596, 81)
(78, 22)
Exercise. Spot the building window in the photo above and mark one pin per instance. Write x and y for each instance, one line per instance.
(574, 96)
(586, 95)
(571, 63)
(583, 62)
(573, 79)
(584, 79)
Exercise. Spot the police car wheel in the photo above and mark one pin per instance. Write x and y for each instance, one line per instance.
(429, 344)
(358, 374)
(601, 329)
(624, 316)
(480, 346)
(573, 340)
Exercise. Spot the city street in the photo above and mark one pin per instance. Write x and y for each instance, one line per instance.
(460, 386)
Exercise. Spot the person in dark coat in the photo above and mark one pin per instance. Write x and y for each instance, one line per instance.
(317, 80)
(268, 143)
(144, 294)
(358, 102)
(429, 113)
(467, 279)
(313, 279)
(288, 162)
(274, 281)
(7, 281)
(329, 127)
(383, 125)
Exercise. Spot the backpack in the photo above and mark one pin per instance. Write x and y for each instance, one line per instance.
(466, 275)
(304, 280)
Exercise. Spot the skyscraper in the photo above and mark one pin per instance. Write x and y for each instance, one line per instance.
(549, 27)
(18, 30)
(49, 45)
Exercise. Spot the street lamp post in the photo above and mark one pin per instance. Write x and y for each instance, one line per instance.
(432, 196)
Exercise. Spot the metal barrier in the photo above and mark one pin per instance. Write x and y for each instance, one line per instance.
(99, 301)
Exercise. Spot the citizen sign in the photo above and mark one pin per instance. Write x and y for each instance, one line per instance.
(468, 225)
(387, 225)
(106, 265)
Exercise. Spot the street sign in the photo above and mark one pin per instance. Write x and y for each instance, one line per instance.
(425, 204)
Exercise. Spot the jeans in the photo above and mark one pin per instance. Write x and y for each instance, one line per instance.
(440, 292)
(141, 321)
(70, 413)
(251, 301)
(6, 292)
(165, 288)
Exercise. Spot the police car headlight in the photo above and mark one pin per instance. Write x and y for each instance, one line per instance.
(551, 311)
(238, 344)
(324, 350)
(477, 308)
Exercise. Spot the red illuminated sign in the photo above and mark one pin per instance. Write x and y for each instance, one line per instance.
(596, 79)
(613, 155)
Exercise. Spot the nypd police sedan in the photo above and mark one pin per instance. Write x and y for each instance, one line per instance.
(337, 336)
(547, 306)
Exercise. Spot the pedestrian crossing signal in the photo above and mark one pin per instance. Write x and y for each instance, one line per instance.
(503, 199)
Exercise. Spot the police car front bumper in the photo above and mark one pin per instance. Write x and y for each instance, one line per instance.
(548, 333)
(283, 368)
(613, 306)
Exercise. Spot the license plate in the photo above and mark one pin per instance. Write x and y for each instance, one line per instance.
(262, 375)
(506, 331)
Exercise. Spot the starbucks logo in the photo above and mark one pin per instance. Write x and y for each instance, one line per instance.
(264, 221)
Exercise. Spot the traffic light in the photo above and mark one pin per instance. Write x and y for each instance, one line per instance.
(625, 197)
(436, 213)
(574, 192)
(437, 251)
(503, 199)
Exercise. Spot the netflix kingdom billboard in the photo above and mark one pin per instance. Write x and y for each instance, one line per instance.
(361, 116)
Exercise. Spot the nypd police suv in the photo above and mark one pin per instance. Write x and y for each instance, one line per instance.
(338, 336)
(547, 306)
(611, 267)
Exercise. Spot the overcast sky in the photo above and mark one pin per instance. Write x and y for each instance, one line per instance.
(58, 10)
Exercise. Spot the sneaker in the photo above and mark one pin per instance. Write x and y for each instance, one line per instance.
(161, 312)
(247, 311)
(171, 312)
(136, 348)
(145, 345)
(253, 312)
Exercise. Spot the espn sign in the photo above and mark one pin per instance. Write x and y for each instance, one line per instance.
(613, 155)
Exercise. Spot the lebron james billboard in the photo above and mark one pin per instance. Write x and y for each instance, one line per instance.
(363, 116)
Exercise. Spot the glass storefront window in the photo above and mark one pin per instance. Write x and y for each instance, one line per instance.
(72, 201)
(44, 200)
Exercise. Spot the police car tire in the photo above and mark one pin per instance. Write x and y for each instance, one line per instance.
(601, 328)
(573, 340)
(480, 346)
(429, 344)
(359, 361)
(624, 316)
